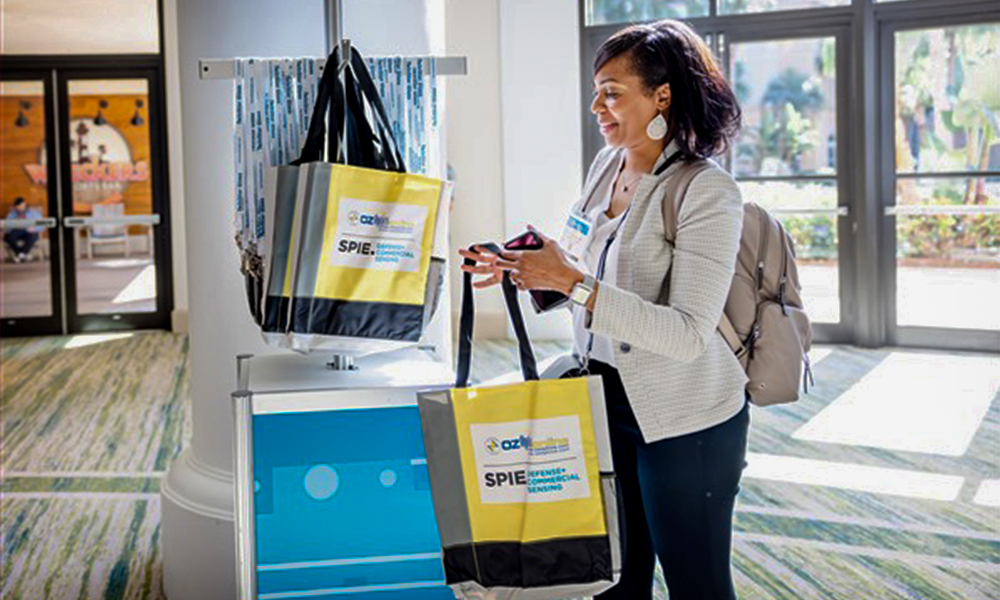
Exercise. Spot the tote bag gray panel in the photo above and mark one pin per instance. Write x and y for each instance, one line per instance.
(599, 413)
(444, 465)
(302, 190)
(435, 288)
(286, 187)
(281, 217)
(314, 206)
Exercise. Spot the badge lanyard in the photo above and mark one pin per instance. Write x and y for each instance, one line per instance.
(272, 106)
(601, 262)
(239, 154)
(579, 229)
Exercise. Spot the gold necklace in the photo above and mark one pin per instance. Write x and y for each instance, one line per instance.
(625, 186)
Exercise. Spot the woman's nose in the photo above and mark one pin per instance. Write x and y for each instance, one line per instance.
(596, 105)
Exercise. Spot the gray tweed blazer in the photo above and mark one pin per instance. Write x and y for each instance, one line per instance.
(678, 371)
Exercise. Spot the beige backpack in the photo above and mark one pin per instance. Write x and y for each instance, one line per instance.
(763, 322)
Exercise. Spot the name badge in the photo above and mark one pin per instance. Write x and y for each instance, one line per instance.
(576, 235)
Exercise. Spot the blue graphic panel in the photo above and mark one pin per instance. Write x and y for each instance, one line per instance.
(343, 506)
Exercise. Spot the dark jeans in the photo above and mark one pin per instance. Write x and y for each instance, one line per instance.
(21, 241)
(676, 500)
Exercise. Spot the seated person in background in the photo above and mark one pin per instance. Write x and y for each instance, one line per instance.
(20, 240)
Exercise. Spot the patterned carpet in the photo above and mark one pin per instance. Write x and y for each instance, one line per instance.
(89, 426)
(88, 429)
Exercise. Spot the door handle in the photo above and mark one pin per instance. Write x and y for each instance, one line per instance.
(74, 222)
(44, 223)
(840, 211)
(947, 209)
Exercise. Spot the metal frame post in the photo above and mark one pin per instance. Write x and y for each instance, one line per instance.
(244, 525)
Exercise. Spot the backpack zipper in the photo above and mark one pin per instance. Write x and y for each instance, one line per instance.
(807, 374)
(784, 270)
(762, 250)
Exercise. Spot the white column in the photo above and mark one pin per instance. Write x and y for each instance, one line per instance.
(542, 145)
(197, 494)
(475, 151)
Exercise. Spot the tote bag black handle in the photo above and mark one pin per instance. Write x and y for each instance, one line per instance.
(361, 135)
(390, 147)
(365, 152)
(329, 86)
(529, 367)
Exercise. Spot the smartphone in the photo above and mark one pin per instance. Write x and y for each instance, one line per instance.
(526, 241)
(541, 300)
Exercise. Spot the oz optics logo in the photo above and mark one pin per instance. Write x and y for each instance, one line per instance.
(378, 220)
(382, 222)
(373, 220)
(495, 446)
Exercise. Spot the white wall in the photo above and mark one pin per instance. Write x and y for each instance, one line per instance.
(394, 27)
(513, 133)
(79, 27)
(540, 102)
(475, 152)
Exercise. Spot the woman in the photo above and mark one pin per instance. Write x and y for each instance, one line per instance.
(674, 390)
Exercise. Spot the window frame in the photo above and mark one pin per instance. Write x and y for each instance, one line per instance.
(914, 335)
(863, 147)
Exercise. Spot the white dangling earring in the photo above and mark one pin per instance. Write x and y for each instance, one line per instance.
(657, 128)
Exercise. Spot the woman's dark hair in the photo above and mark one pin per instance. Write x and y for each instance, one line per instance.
(704, 114)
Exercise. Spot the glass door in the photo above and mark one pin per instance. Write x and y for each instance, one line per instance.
(942, 185)
(113, 201)
(790, 158)
(83, 197)
(30, 285)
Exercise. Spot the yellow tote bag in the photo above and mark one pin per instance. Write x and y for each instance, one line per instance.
(522, 478)
(365, 253)
(359, 249)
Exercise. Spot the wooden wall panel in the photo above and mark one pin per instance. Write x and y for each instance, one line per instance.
(24, 145)
(21, 146)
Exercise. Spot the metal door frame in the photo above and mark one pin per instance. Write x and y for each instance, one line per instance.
(840, 332)
(55, 322)
(910, 335)
(58, 71)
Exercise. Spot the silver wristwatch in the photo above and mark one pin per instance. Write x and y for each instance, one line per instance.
(581, 291)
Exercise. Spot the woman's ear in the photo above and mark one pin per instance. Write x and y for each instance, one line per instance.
(662, 95)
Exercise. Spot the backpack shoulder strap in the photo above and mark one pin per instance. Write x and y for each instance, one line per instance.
(677, 187)
(732, 338)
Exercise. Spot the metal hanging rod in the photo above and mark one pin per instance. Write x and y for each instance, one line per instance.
(225, 68)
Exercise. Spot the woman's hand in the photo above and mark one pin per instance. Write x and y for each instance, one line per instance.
(485, 265)
(544, 269)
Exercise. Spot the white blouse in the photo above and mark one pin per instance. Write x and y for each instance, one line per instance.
(599, 203)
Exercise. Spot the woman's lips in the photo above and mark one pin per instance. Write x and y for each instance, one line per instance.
(606, 127)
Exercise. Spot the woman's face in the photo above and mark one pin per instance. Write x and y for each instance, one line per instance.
(621, 105)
